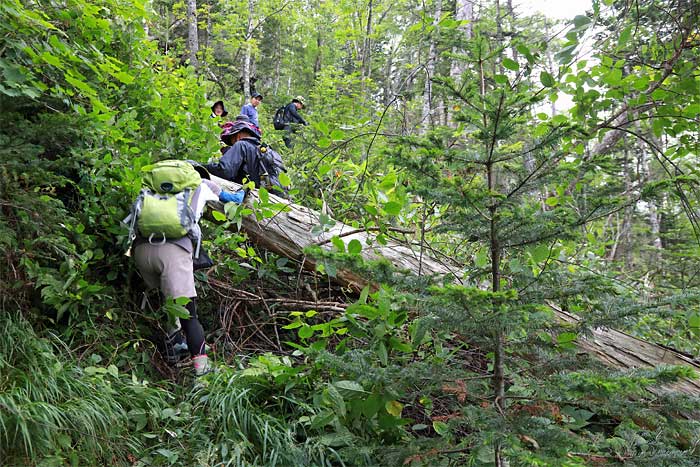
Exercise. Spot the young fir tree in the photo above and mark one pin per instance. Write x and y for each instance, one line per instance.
(509, 175)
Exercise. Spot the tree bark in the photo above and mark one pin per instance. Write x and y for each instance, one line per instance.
(319, 54)
(288, 233)
(192, 33)
(278, 61)
(248, 50)
(426, 117)
(367, 46)
(464, 11)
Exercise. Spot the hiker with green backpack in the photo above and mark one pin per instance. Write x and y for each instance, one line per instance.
(165, 237)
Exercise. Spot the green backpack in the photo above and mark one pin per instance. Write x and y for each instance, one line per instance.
(162, 210)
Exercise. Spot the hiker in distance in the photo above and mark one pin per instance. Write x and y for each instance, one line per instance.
(166, 238)
(218, 110)
(290, 119)
(250, 109)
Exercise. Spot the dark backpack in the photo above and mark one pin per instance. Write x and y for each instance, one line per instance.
(270, 166)
(278, 120)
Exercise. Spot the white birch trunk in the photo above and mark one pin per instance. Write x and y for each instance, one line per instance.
(192, 33)
(248, 51)
(464, 11)
(426, 116)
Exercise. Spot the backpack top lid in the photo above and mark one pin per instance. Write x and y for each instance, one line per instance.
(171, 176)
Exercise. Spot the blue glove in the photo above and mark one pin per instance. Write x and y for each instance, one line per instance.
(237, 197)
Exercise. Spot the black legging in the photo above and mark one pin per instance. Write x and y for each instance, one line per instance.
(194, 333)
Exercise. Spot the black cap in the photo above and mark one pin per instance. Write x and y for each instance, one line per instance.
(257, 94)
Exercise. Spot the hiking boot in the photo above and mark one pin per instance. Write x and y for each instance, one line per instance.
(175, 347)
(201, 365)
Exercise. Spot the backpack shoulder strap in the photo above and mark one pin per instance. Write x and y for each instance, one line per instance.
(130, 220)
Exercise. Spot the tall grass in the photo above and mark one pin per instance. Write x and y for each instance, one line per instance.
(249, 427)
(50, 409)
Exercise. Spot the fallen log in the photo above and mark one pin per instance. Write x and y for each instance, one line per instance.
(290, 231)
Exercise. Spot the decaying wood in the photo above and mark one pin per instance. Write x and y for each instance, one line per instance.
(290, 231)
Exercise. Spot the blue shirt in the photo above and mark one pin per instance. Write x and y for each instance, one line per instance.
(252, 114)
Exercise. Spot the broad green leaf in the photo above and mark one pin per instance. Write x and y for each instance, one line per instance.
(523, 49)
(337, 135)
(546, 79)
(293, 325)
(540, 253)
(363, 295)
(51, 59)
(324, 142)
(349, 389)
(393, 208)
(560, 119)
(581, 21)
(394, 408)
(124, 77)
(625, 36)
(305, 331)
(264, 195)
(694, 320)
(382, 354)
(338, 243)
(613, 77)
(511, 64)
(354, 247)
(398, 344)
(481, 259)
(322, 419)
(285, 180)
(440, 428)
(418, 330)
(371, 405)
(219, 216)
(336, 399)
(388, 182)
(566, 338)
(81, 85)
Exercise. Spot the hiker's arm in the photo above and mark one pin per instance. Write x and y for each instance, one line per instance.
(295, 115)
(223, 195)
(228, 165)
(213, 186)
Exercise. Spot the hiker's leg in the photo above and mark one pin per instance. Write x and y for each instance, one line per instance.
(288, 136)
(177, 277)
(148, 265)
(195, 339)
(194, 333)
